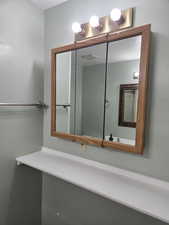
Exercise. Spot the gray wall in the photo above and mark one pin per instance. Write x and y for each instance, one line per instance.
(21, 80)
(155, 161)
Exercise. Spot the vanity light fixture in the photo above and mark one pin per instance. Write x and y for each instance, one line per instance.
(94, 21)
(76, 27)
(118, 19)
(116, 14)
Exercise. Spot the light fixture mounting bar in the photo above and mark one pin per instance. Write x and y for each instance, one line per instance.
(106, 26)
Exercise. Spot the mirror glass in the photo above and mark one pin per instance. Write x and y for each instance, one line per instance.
(122, 90)
(130, 106)
(80, 91)
(65, 94)
(90, 90)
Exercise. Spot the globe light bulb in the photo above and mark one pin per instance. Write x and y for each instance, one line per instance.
(94, 21)
(76, 27)
(116, 14)
(136, 75)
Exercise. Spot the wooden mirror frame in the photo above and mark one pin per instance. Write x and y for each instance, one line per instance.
(144, 31)
(123, 88)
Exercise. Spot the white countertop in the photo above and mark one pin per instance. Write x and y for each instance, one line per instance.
(142, 193)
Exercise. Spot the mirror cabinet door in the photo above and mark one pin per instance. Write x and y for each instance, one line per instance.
(65, 104)
(90, 89)
(122, 90)
(80, 89)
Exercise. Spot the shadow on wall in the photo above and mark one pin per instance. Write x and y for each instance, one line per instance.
(149, 96)
(20, 187)
(24, 189)
(66, 204)
(37, 81)
(153, 91)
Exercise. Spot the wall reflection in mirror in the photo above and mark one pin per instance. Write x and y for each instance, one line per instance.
(81, 75)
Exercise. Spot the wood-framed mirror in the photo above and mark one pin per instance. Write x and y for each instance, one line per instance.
(87, 77)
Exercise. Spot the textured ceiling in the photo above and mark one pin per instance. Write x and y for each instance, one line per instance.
(119, 51)
(45, 4)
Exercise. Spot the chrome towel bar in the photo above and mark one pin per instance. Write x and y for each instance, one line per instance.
(40, 105)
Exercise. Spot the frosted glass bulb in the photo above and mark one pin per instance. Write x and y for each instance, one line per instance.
(94, 21)
(116, 14)
(76, 27)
